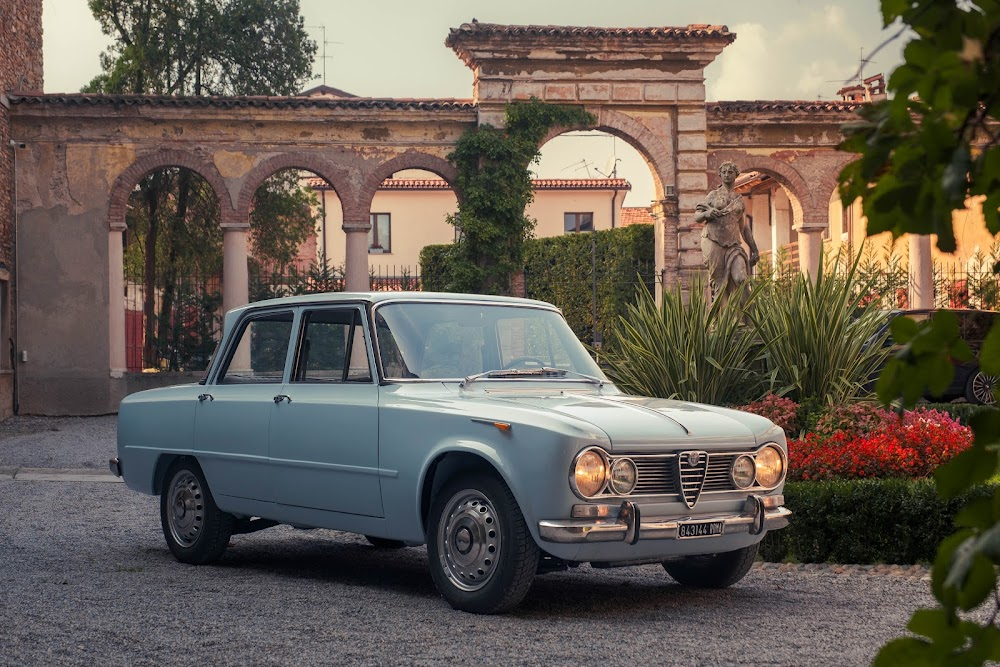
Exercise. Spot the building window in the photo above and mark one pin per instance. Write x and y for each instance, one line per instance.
(379, 237)
(578, 222)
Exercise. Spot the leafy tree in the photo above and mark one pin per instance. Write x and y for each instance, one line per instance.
(923, 152)
(494, 188)
(202, 47)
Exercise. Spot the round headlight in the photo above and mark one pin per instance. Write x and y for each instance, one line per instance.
(744, 472)
(624, 475)
(770, 466)
(590, 473)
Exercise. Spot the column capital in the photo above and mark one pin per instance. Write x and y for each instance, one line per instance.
(117, 227)
(235, 227)
(668, 206)
(357, 225)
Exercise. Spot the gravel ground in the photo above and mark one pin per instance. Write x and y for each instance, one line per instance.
(58, 442)
(85, 578)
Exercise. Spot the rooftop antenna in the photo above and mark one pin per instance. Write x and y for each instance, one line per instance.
(580, 164)
(324, 57)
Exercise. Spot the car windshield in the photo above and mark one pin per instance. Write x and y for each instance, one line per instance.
(435, 341)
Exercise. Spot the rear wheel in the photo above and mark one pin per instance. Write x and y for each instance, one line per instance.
(196, 530)
(979, 388)
(713, 570)
(482, 556)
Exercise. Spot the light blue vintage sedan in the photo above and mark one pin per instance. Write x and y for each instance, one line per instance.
(477, 425)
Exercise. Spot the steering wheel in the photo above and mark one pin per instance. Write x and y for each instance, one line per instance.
(524, 362)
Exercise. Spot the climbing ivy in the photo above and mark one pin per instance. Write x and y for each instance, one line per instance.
(494, 188)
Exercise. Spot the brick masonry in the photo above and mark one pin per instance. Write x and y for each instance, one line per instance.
(20, 71)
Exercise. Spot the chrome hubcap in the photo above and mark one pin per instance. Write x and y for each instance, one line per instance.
(468, 540)
(982, 388)
(185, 508)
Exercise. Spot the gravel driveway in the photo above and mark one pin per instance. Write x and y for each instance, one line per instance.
(86, 578)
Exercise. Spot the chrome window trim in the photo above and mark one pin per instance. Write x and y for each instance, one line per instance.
(223, 360)
(383, 379)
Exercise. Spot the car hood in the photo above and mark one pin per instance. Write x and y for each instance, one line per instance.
(640, 423)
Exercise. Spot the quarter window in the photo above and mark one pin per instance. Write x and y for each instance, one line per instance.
(332, 348)
(578, 222)
(380, 235)
(259, 358)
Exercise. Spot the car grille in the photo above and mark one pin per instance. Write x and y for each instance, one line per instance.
(657, 475)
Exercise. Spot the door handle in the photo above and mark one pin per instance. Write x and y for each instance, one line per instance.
(205, 397)
(282, 397)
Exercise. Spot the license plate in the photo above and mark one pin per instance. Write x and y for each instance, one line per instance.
(707, 529)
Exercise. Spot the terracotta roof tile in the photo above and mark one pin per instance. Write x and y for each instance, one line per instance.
(636, 215)
(88, 99)
(539, 184)
(677, 32)
(809, 106)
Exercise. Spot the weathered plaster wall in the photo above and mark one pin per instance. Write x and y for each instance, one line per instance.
(20, 70)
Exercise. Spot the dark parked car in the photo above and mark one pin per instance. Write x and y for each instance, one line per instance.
(969, 382)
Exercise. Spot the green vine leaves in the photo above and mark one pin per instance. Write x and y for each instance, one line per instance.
(494, 188)
(923, 153)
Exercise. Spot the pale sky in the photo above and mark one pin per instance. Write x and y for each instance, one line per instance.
(784, 49)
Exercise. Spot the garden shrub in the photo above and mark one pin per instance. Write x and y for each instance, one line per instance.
(962, 412)
(865, 521)
(858, 418)
(911, 446)
(780, 410)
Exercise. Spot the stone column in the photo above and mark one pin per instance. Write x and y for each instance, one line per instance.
(356, 277)
(116, 301)
(235, 279)
(810, 248)
(921, 272)
(236, 282)
(666, 215)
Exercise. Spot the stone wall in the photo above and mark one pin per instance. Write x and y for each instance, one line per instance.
(20, 71)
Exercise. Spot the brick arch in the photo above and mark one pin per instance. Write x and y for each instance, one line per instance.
(409, 160)
(336, 177)
(803, 199)
(162, 159)
(657, 153)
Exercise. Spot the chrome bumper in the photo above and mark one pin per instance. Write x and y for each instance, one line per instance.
(115, 466)
(760, 513)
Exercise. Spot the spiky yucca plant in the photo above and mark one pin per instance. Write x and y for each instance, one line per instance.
(821, 341)
(694, 352)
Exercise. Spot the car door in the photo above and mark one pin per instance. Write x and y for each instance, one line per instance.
(234, 411)
(324, 433)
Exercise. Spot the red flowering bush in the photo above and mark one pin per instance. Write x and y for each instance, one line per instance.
(853, 419)
(910, 446)
(781, 411)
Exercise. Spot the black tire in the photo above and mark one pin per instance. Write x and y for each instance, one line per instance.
(383, 543)
(979, 388)
(196, 530)
(714, 570)
(496, 569)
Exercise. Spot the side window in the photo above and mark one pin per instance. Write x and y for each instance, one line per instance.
(332, 348)
(259, 358)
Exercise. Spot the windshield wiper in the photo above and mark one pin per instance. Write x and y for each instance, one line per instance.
(545, 371)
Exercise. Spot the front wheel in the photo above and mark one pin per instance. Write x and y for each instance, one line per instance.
(482, 556)
(196, 530)
(714, 570)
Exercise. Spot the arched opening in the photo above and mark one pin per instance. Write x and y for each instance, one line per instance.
(290, 215)
(773, 209)
(172, 262)
(594, 192)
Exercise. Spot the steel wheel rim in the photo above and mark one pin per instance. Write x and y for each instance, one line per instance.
(185, 508)
(982, 388)
(469, 540)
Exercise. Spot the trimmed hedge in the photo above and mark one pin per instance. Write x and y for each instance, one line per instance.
(894, 521)
(558, 270)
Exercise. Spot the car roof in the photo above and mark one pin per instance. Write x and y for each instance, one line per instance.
(376, 297)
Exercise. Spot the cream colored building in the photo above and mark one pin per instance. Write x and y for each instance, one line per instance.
(409, 211)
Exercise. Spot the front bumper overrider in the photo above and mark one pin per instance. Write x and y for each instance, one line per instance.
(760, 513)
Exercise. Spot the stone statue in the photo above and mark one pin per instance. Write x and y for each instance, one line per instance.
(721, 239)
